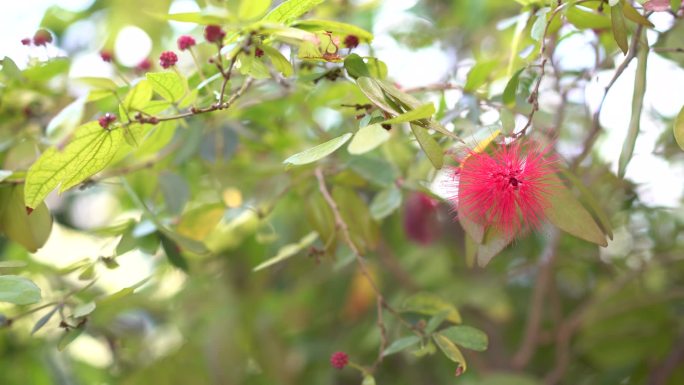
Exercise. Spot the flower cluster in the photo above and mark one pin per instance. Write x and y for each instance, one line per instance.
(41, 37)
(106, 119)
(214, 33)
(168, 59)
(185, 42)
(339, 360)
(506, 190)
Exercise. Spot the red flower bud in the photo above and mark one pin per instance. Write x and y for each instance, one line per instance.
(26, 41)
(106, 119)
(258, 52)
(185, 42)
(167, 59)
(214, 33)
(106, 56)
(419, 218)
(144, 65)
(339, 360)
(42, 37)
(351, 41)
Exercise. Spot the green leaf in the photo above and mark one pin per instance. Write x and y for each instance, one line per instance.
(88, 153)
(47, 70)
(83, 310)
(30, 231)
(493, 242)
(637, 106)
(368, 380)
(430, 304)
(385, 202)
(138, 97)
(289, 10)
(253, 9)
(18, 290)
(44, 320)
(479, 74)
(288, 251)
(173, 252)
(511, 89)
(429, 145)
(619, 28)
(204, 18)
(678, 129)
(475, 230)
(321, 151)
(424, 111)
(436, 321)
(675, 5)
(467, 337)
(566, 212)
(101, 83)
(10, 69)
(589, 200)
(355, 66)
(4, 174)
(401, 344)
(363, 229)
(583, 18)
(169, 85)
(634, 15)
(375, 94)
(539, 26)
(450, 350)
(68, 337)
(279, 62)
(368, 138)
(335, 27)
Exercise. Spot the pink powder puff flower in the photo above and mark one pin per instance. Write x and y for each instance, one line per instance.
(339, 360)
(508, 189)
(185, 42)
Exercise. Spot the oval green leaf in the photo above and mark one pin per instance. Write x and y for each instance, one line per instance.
(18, 290)
(321, 151)
(367, 139)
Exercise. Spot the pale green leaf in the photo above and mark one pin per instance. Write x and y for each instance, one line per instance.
(619, 28)
(321, 151)
(67, 119)
(385, 202)
(29, 230)
(279, 62)
(289, 10)
(430, 304)
(68, 337)
(367, 139)
(512, 88)
(90, 151)
(479, 74)
(101, 83)
(568, 214)
(18, 290)
(83, 309)
(335, 27)
(424, 111)
(288, 251)
(368, 380)
(632, 14)
(252, 9)
(138, 97)
(637, 106)
(678, 129)
(583, 18)
(494, 241)
(169, 85)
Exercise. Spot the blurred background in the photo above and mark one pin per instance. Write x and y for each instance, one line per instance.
(613, 315)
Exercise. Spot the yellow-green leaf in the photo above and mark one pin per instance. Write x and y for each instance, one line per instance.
(289, 250)
(634, 15)
(169, 85)
(619, 28)
(334, 26)
(467, 337)
(678, 129)
(321, 151)
(424, 111)
(18, 290)
(279, 62)
(289, 10)
(252, 9)
(88, 153)
(450, 350)
(138, 97)
(430, 304)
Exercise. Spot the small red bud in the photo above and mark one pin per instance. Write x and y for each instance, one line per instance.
(106, 119)
(42, 37)
(185, 42)
(106, 56)
(339, 360)
(258, 52)
(419, 218)
(29, 210)
(351, 41)
(214, 33)
(153, 120)
(459, 371)
(144, 65)
(168, 59)
(26, 41)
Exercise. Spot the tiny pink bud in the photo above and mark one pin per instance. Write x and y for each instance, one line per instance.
(144, 65)
(168, 59)
(26, 41)
(214, 33)
(185, 42)
(339, 360)
(258, 52)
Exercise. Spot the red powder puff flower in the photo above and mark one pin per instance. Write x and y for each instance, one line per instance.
(508, 189)
(420, 220)
(185, 42)
(106, 56)
(214, 33)
(339, 360)
(42, 37)
(144, 65)
(167, 59)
